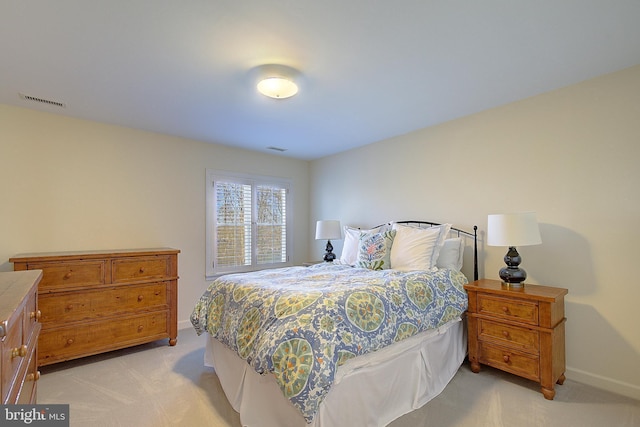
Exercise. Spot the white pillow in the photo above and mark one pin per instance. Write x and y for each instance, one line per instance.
(413, 247)
(350, 248)
(444, 233)
(451, 254)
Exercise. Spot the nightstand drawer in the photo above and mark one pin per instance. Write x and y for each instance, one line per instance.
(509, 336)
(511, 361)
(510, 309)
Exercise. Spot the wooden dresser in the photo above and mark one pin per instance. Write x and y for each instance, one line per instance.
(19, 329)
(97, 301)
(518, 330)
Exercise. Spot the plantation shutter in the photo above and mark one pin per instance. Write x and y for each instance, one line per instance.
(271, 233)
(233, 224)
(249, 224)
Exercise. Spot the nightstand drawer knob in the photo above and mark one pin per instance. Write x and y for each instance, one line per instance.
(67, 276)
(505, 309)
(506, 358)
(70, 341)
(506, 334)
(140, 298)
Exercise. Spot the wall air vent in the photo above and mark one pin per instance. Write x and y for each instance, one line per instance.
(42, 100)
(277, 149)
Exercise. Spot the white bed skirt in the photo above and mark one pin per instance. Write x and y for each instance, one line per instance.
(369, 390)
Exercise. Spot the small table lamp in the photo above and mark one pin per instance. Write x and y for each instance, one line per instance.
(516, 229)
(328, 229)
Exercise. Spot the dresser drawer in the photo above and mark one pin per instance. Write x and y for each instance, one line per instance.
(509, 336)
(66, 343)
(126, 270)
(13, 351)
(518, 363)
(78, 306)
(61, 276)
(31, 316)
(24, 389)
(510, 309)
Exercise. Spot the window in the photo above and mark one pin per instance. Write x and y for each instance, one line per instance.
(247, 222)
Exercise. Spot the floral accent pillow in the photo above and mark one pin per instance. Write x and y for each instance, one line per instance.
(351, 243)
(374, 251)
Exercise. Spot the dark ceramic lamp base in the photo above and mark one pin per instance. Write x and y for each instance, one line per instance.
(329, 256)
(512, 274)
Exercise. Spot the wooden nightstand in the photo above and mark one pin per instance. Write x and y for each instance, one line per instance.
(518, 330)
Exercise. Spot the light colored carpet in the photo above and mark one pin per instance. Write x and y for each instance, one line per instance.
(157, 385)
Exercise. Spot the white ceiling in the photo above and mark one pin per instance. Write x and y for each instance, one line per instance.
(371, 69)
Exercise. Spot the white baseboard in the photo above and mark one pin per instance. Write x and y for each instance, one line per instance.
(184, 324)
(609, 384)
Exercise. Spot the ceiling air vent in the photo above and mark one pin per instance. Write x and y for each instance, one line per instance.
(42, 100)
(277, 149)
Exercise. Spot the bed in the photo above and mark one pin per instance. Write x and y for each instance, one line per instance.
(357, 342)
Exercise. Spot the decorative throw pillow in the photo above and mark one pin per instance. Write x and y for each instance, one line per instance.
(375, 250)
(351, 245)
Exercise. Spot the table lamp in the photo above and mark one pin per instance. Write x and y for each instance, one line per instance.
(328, 229)
(513, 229)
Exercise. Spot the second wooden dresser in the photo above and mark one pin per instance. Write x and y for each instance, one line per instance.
(97, 301)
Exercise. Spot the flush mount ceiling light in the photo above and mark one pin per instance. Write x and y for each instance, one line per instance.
(277, 81)
(277, 87)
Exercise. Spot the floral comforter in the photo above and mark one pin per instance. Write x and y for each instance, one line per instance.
(301, 323)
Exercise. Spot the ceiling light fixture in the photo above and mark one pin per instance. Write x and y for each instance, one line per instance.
(277, 81)
(277, 87)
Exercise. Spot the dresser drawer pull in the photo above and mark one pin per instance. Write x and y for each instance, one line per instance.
(33, 377)
(506, 334)
(505, 309)
(67, 276)
(140, 328)
(506, 358)
(141, 269)
(70, 341)
(140, 297)
(70, 307)
(35, 315)
(19, 351)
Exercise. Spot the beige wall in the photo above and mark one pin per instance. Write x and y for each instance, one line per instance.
(69, 184)
(572, 155)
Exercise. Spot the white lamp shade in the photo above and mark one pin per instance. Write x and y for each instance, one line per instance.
(513, 229)
(328, 229)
